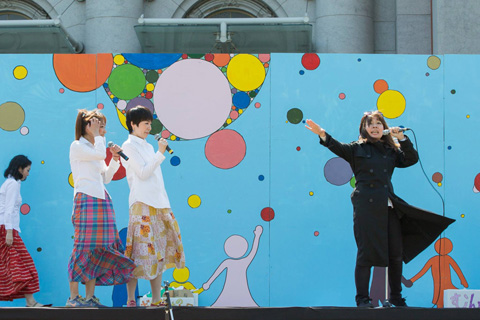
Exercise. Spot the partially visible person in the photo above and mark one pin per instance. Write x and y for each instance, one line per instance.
(18, 275)
(97, 257)
(153, 237)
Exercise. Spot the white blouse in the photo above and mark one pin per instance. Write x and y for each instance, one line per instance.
(144, 174)
(89, 171)
(10, 202)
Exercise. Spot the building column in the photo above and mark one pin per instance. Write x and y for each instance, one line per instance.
(344, 26)
(109, 26)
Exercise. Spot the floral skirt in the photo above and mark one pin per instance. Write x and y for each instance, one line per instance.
(97, 249)
(154, 242)
(18, 275)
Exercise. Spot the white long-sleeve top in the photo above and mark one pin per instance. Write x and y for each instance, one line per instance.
(89, 171)
(144, 174)
(10, 202)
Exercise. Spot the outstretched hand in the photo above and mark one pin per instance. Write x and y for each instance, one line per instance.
(315, 128)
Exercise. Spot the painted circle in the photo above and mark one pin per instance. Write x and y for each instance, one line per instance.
(12, 116)
(294, 115)
(70, 180)
(437, 177)
(433, 62)
(316, 233)
(341, 96)
(310, 61)
(194, 201)
(126, 81)
(225, 149)
(24, 208)
(175, 161)
(391, 103)
(245, 72)
(24, 131)
(181, 275)
(221, 59)
(118, 59)
(241, 100)
(20, 72)
(203, 110)
(267, 214)
(380, 86)
(337, 171)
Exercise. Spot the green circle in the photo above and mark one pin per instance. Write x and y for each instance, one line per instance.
(294, 115)
(252, 94)
(152, 76)
(126, 82)
(157, 126)
(229, 211)
(196, 55)
(352, 182)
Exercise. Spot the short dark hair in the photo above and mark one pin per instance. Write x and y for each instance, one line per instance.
(18, 162)
(137, 115)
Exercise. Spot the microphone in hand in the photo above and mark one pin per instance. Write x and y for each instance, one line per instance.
(120, 153)
(387, 131)
(158, 137)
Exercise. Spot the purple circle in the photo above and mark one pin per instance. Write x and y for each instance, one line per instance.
(192, 98)
(337, 171)
(140, 102)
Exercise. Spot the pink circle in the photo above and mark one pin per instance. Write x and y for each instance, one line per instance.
(100, 106)
(203, 108)
(225, 149)
(61, 90)
(25, 208)
(264, 57)
(342, 96)
(316, 233)
(257, 105)
(165, 134)
(234, 115)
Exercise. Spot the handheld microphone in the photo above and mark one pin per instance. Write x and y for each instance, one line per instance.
(158, 137)
(387, 131)
(120, 153)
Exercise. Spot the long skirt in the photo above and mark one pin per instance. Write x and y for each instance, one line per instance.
(97, 249)
(18, 275)
(154, 242)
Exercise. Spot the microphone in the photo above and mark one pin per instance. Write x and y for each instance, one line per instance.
(158, 137)
(387, 131)
(120, 153)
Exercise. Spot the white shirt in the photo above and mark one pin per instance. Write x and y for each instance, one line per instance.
(10, 202)
(144, 174)
(89, 171)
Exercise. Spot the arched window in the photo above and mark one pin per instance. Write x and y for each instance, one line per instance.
(21, 10)
(230, 9)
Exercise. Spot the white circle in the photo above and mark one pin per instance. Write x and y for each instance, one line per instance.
(24, 131)
(121, 104)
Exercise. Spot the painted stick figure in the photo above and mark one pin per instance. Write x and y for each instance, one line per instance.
(441, 266)
(235, 292)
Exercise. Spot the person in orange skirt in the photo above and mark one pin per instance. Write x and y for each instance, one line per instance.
(97, 257)
(154, 242)
(18, 275)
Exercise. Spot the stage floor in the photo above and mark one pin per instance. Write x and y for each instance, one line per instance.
(207, 313)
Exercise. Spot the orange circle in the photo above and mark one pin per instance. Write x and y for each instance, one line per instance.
(83, 72)
(380, 86)
(221, 59)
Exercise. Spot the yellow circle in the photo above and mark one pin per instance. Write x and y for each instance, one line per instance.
(150, 87)
(433, 62)
(181, 275)
(20, 72)
(112, 96)
(439, 184)
(391, 103)
(229, 121)
(240, 111)
(468, 116)
(70, 180)
(173, 137)
(42, 162)
(245, 72)
(462, 215)
(311, 193)
(194, 201)
(118, 59)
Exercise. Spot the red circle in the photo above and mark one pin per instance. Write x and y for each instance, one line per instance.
(267, 214)
(437, 177)
(298, 148)
(209, 57)
(310, 61)
(149, 95)
(24, 208)
(477, 182)
(316, 233)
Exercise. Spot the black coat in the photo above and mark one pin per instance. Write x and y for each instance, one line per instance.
(373, 165)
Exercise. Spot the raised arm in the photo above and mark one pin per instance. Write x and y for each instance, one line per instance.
(343, 150)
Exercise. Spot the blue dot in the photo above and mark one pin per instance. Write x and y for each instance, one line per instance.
(144, 91)
(241, 100)
(115, 100)
(301, 72)
(175, 161)
(105, 85)
(359, 59)
(177, 139)
(449, 147)
(261, 177)
(155, 116)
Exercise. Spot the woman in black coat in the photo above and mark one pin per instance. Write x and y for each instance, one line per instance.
(387, 229)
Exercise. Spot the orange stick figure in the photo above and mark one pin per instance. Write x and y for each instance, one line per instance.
(440, 265)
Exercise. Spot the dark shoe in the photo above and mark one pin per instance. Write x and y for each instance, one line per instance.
(399, 302)
(364, 303)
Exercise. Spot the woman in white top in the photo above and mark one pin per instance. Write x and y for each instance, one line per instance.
(18, 275)
(154, 242)
(97, 257)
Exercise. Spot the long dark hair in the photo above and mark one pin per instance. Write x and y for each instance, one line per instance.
(367, 119)
(18, 162)
(83, 118)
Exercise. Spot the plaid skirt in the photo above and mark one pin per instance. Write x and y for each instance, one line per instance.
(18, 275)
(154, 242)
(97, 249)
